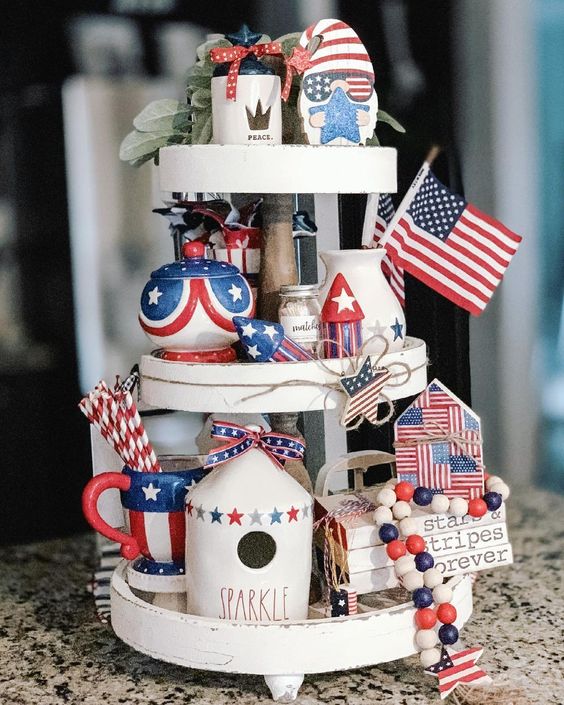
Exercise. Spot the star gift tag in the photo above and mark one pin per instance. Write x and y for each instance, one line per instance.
(363, 389)
(458, 667)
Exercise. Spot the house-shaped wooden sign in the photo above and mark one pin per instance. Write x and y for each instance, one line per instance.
(438, 444)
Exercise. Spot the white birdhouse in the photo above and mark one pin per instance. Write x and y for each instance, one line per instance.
(249, 533)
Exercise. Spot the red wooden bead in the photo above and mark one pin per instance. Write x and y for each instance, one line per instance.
(477, 507)
(415, 544)
(396, 549)
(404, 490)
(425, 618)
(446, 613)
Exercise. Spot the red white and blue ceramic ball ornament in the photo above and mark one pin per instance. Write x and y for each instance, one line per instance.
(264, 341)
(338, 103)
(187, 307)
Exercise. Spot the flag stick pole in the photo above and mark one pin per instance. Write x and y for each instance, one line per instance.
(411, 192)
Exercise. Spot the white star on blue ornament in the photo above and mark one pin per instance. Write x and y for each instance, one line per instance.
(154, 295)
(151, 492)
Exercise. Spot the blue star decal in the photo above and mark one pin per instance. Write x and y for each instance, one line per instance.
(397, 327)
(216, 515)
(275, 516)
(340, 118)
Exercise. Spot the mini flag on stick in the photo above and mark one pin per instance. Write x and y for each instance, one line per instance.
(341, 318)
(264, 341)
(448, 244)
(456, 668)
(379, 213)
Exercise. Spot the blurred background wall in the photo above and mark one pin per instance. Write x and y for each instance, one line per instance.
(77, 236)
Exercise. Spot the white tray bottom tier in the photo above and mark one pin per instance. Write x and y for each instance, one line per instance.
(313, 646)
(279, 168)
(271, 386)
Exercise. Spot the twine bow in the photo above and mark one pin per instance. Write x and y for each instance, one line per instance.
(278, 446)
(234, 56)
(461, 439)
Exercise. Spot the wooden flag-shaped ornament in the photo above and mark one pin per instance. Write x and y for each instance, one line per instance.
(265, 341)
(363, 391)
(438, 444)
(460, 667)
(337, 102)
(341, 318)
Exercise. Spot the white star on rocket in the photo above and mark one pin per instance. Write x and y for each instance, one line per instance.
(344, 301)
(253, 351)
(151, 492)
(270, 331)
(248, 330)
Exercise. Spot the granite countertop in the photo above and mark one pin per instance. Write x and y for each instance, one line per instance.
(54, 651)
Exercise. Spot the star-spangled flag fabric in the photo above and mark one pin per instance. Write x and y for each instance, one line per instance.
(394, 273)
(363, 390)
(448, 244)
(459, 667)
(444, 466)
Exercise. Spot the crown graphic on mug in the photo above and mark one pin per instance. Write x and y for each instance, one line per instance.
(261, 119)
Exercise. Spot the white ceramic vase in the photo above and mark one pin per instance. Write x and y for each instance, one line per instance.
(248, 543)
(254, 117)
(383, 314)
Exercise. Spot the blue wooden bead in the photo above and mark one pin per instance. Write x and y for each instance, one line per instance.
(422, 597)
(388, 532)
(448, 634)
(424, 561)
(422, 496)
(493, 501)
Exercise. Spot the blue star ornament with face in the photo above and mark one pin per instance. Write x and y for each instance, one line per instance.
(340, 118)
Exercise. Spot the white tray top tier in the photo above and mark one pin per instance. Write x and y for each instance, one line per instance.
(277, 168)
(271, 386)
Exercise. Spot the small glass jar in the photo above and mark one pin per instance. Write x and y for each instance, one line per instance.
(299, 313)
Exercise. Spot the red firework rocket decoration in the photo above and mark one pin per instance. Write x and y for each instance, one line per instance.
(341, 318)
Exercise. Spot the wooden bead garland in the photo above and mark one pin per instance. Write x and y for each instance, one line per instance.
(414, 566)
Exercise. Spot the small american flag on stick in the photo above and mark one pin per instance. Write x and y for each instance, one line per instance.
(448, 244)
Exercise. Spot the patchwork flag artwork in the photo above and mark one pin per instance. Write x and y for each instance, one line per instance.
(456, 668)
(394, 273)
(265, 341)
(363, 391)
(448, 244)
(438, 444)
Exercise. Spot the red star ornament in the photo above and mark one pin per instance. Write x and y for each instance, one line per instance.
(235, 517)
(292, 514)
(300, 59)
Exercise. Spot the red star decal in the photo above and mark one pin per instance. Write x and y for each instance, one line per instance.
(300, 59)
(292, 514)
(189, 508)
(235, 517)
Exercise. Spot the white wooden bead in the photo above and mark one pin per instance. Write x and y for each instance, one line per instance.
(501, 488)
(440, 504)
(426, 638)
(387, 497)
(442, 593)
(401, 509)
(492, 479)
(458, 507)
(429, 657)
(408, 527)
(404, 565)
(383, 515)
(432, 577)
(412, 580)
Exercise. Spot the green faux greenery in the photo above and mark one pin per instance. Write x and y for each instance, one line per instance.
(166, 122)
